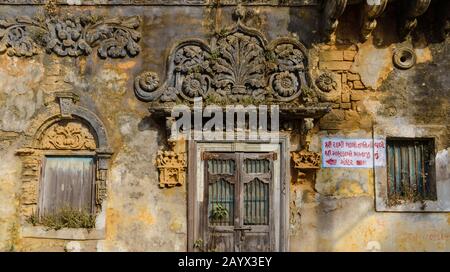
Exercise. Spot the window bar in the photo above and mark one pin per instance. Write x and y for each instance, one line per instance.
(404, 168)
(391, 163)
(397, 169)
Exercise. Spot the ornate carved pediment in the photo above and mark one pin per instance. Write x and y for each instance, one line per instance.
(171, 167)
(70, 36)
(237, 65)
(68, 135)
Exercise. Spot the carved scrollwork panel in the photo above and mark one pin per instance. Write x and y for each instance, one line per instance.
(70, 36)
(72, 136)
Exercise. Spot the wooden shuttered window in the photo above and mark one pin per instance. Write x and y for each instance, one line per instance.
(67, 182)
(411, 169)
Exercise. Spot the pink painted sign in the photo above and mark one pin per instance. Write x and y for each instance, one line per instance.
(353, 153)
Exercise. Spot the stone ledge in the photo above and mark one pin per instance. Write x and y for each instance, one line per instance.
(166, 3)
(63, 234)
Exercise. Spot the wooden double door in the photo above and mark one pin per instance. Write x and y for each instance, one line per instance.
(238, 211)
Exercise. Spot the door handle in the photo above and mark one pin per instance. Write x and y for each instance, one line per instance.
(242, 230)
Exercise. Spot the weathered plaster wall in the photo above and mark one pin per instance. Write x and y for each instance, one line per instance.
(333, 211)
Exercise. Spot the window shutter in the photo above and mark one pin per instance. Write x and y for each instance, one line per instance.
(67, 182)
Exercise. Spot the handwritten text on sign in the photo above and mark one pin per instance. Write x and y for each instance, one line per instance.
(358, 153)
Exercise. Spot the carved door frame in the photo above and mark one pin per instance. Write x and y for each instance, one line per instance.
(195, 182)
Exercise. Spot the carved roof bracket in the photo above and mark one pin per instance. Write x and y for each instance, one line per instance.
(410, 10)
(331, 10)
(370, 13)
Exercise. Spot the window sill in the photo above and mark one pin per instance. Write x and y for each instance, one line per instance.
(63, 234)
(416, 207)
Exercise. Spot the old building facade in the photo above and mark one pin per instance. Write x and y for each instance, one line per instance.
(353, 97)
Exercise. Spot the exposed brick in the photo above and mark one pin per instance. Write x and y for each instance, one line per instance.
(344, 77)
(345, 97)
(358, 85)
(335, 105)
(335, 65)
(353, 77)
(357, 96)
(331, 55)
(349, 55)
(346, 106)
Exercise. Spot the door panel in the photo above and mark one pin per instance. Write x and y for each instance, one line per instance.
(238, 216)
(220, 194)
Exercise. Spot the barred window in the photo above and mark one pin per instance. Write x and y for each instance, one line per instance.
(411, 169)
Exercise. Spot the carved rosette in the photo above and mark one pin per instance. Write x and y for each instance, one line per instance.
(236, 65)
(328, 86)
(73, 136)
(172, 168)
(70, 36)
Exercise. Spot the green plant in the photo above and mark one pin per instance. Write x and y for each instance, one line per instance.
(199, 244)
(214, 55)
(66, 217)
(219, 212)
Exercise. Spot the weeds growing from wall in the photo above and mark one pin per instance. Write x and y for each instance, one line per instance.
(64, 218)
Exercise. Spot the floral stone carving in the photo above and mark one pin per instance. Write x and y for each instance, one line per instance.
(237, 65)
(171, 167)
(68, 136)
(70, 36)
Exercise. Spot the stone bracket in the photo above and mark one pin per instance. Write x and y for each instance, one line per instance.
(332, 10)
(408, 19)
(369, 15)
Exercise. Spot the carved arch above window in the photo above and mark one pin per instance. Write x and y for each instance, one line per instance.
(62, 128)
